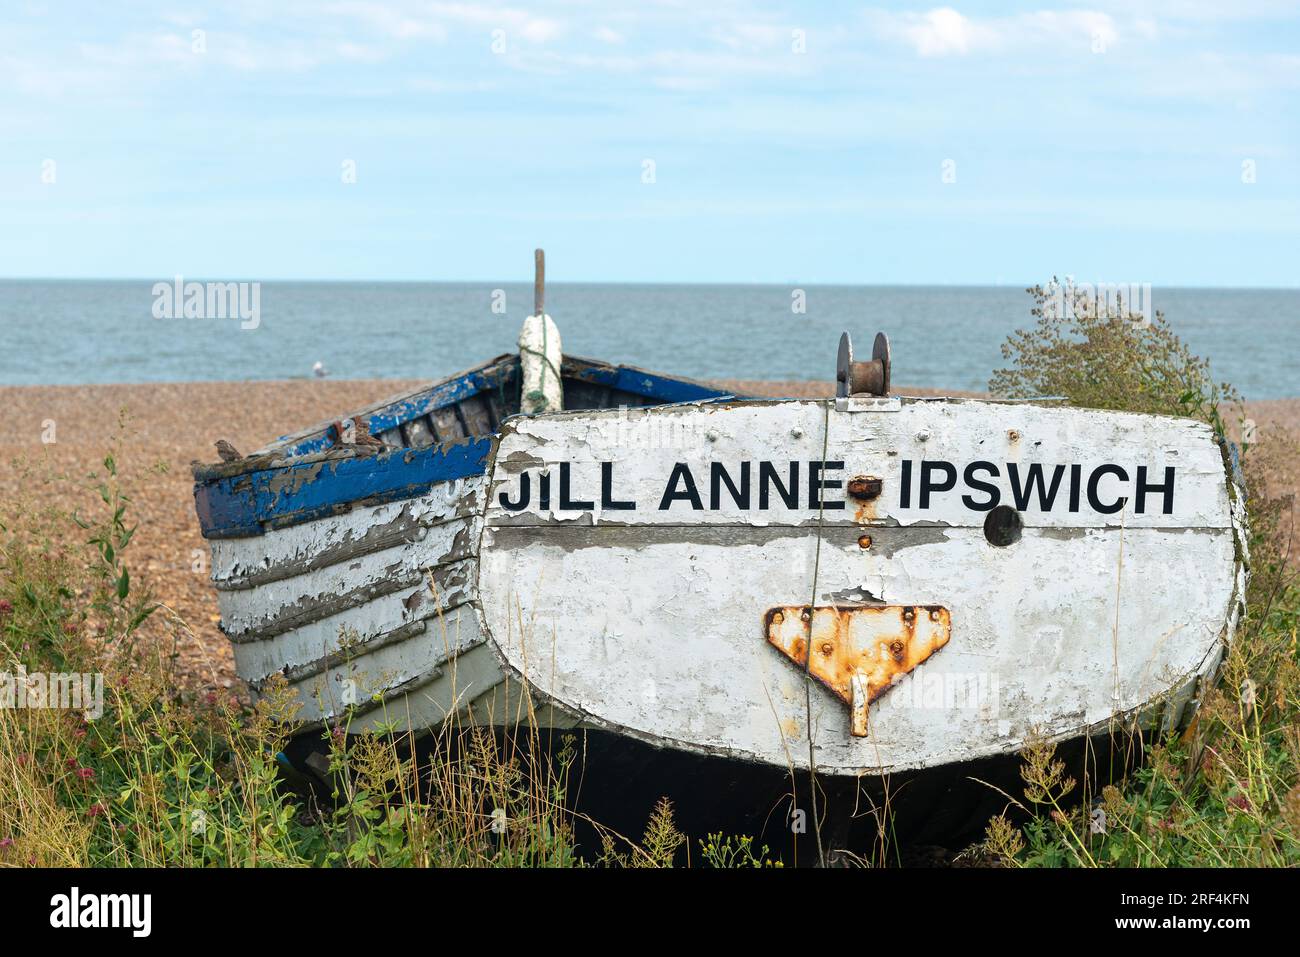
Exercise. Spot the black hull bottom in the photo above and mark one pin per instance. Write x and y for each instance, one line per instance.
(930, 815)
(945, 808)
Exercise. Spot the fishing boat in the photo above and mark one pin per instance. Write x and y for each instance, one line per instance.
(857, 586)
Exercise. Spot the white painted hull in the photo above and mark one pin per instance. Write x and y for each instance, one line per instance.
(369, 615)
(650, 622)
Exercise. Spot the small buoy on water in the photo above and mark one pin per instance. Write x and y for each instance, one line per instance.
(319, 370)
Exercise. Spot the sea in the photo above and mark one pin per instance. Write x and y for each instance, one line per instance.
(949, 337)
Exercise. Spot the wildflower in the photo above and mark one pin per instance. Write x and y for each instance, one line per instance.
(211, 698)
(71, 762)
(23, 759)
(85, 773)
(1248, 696)
(7, 842)
(96, 809)
(1058, 817)
(1240, 802)
(498, 820)
(6, 606)
(198, 822)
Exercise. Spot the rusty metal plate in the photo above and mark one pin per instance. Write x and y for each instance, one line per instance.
(858, 650)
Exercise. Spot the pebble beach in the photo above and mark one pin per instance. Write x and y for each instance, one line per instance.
(53, 438)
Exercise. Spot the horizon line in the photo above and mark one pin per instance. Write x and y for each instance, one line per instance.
(635, 282)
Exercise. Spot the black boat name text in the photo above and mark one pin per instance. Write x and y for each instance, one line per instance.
(979, 486)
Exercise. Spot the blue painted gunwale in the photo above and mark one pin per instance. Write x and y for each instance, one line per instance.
(247, 504)
(286, 492)
(651, 385)
(438, 396)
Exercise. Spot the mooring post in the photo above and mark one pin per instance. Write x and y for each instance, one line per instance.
(539, 283)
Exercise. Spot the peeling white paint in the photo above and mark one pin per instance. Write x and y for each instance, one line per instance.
(650, 622)
(1086, 617)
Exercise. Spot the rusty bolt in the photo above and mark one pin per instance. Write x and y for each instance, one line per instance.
(864, 541)
(908, 614)
(865, 487)
(827, 648)
(1013, 435)
(934, 614)
(896, 649)
(778, 617)
(806, 616)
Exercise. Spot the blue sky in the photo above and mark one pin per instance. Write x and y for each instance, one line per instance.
(789, 144)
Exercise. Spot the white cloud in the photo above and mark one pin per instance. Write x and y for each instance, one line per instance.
(944, 31)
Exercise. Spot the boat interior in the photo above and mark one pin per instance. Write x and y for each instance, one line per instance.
(473, 404)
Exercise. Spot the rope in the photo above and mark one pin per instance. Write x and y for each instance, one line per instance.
(807, 664)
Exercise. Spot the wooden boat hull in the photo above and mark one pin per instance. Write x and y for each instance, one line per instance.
(424, 582)
(683, 621)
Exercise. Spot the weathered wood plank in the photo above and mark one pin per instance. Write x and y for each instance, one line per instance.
(476, 412)
(418, 434)
(455, 689)
(393, 670)
(266, 610)
(446, 424)
(243, 505)
(283, 553)
(437, 592)
(395, 410)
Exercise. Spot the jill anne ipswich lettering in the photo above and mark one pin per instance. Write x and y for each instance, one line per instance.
(981, 486)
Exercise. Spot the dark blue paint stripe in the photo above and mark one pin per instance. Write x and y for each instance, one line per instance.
(649, 384)
(438, 397)
(246, 504)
